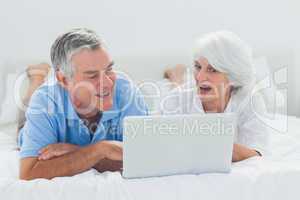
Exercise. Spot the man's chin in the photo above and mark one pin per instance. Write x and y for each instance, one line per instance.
(106, 106)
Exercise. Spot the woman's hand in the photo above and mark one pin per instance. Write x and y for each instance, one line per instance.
(56, 150)
(241, 152)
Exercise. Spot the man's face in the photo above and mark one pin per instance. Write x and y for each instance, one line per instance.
(92, 84)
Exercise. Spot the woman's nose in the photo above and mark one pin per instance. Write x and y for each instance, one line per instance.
(201, 76)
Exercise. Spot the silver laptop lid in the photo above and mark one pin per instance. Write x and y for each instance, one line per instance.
(177, 144)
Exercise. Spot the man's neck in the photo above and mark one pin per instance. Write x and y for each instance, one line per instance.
(91, 117)
(91, 121)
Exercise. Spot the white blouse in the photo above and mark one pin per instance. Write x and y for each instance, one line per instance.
(251, 131)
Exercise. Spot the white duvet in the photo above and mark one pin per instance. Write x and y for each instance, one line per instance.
(275, 177)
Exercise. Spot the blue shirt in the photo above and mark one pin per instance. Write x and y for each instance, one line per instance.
(51, 118)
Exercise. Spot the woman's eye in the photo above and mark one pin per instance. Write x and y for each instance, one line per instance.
(198, 67)
(212, 70)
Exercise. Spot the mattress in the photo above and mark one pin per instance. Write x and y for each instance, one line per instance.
(273, 177)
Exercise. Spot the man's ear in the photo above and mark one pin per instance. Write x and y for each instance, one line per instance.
(62, 80)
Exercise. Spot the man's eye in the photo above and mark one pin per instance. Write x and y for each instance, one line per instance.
(109, 71)
(93, 77)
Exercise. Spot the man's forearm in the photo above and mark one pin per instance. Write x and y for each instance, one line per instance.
(67, 165)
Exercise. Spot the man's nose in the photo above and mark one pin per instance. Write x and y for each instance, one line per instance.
(105, 81)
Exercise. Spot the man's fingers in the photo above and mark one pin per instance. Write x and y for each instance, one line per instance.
(42, 154)
(47, 155)
(116, 155)
(55, 150)
(43, 150)
(59, 152)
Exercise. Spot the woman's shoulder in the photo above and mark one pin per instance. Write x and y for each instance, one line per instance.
(250, 106)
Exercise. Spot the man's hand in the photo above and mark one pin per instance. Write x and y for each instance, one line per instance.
(113, 150)
(70, 162)
(241, 152)
(54, 160)
(113, 161)
(109, 165)
(56, 150)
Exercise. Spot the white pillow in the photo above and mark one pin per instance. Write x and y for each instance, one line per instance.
(14, 84)
(8, 137)
(9, 107)
(274, 99)
(1, 83)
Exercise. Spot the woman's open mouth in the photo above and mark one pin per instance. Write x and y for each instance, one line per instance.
(204, 89)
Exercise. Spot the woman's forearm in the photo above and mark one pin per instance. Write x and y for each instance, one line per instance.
(241, 152)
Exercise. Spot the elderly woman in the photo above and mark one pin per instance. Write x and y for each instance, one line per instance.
(224, 77)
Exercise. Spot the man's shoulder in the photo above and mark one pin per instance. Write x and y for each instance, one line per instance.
(123, 83)
(48, 95)
(128, 97)
(123, 86)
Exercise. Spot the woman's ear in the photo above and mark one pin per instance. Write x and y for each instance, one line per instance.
(62, 80)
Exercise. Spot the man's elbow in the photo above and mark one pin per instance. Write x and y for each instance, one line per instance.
(31, 168)
(31, 175)
(26, 177)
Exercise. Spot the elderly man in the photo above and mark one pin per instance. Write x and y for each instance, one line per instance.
(74, 123)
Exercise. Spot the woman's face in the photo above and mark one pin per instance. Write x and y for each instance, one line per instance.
(211, 84)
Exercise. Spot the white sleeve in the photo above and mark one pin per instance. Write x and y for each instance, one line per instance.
(252, 131)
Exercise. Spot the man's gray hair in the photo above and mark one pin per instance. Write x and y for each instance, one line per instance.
(69, 43)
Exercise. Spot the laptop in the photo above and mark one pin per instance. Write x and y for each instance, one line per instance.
(165, 145)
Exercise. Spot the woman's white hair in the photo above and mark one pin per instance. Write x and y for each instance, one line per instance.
(227, 53)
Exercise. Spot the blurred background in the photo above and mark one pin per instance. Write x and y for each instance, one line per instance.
(145, 37)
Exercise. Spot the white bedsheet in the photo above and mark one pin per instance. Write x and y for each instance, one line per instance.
(275, 177)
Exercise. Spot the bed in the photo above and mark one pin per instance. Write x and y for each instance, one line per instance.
(273, 177)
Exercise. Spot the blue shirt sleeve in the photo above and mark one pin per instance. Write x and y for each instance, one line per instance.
(131, 100)
(39, 129)
(131, 103)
